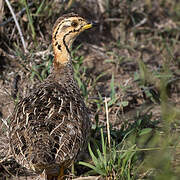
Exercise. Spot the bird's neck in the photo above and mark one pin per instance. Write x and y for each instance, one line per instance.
(62, 71)
(62, 65)
(61, 50)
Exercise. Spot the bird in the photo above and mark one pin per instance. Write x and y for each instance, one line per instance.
(51, 125)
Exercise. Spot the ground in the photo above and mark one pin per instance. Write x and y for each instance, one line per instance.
(130, 60)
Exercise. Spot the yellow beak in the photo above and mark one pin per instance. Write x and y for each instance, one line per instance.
(87, 26)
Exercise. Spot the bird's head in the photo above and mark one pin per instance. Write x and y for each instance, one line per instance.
(65, 31)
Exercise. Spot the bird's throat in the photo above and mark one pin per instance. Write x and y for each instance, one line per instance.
(61, 55)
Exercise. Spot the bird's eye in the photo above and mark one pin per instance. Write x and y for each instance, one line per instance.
(74, 24)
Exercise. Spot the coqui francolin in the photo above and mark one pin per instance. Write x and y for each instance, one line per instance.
(50, 126)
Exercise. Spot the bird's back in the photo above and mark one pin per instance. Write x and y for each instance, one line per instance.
(48, 126)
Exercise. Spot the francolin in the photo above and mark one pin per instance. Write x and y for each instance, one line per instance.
(50, 126)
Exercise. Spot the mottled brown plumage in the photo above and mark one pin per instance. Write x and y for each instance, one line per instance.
(50, 126)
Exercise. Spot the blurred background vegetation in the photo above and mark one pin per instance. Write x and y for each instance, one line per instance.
(128, 70)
